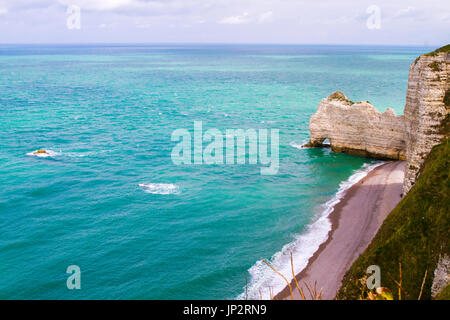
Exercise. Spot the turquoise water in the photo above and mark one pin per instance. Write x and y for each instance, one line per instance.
(108, 113)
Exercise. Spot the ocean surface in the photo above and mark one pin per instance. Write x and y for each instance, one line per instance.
(110, 200)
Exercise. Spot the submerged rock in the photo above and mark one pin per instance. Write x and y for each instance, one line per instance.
(40, 151)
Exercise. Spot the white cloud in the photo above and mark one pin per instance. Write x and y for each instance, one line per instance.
(3, 8)
(143, 25)
(407, 12)
(247, 18)
(243, 18)
(100, 5)
(324, 21)
(143, 7)
(265, 17)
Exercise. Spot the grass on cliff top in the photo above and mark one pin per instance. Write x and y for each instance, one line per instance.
(434, 53)
(414, 234)
(338, 95)
(445, 48)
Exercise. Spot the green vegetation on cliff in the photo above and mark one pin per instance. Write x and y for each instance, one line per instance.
(434, 53)
(447, 98)
(445, 48)
(444, 294)
(445, 126)
(338, 95)
(414, 235)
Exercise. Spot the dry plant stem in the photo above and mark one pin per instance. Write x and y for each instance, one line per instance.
(309, 290)
(313, 291)
(399, 285)
(423, 283)
(315, 288)
(319, 296)
(290, 288)
(295, 279)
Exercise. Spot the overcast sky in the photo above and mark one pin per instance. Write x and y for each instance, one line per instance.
(424, 22)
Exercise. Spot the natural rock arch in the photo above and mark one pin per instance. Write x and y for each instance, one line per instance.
(358, 128)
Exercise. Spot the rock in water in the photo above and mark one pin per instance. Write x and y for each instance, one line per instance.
(358, 128)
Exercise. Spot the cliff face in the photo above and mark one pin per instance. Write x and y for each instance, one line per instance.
(425, 110)
(358, 128)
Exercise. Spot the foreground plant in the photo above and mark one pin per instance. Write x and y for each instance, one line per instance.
(314, 293)
(383, 293)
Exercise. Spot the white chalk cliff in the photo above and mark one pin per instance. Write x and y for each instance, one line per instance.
(359, 128)
(425, 110)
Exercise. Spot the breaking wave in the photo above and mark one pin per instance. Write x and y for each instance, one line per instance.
(160, 188)
(303, 247)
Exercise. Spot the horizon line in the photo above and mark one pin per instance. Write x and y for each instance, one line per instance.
(221, 43)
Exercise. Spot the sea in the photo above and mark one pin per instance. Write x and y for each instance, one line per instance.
(108, 198)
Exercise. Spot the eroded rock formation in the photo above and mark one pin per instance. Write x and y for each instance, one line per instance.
(358, 128)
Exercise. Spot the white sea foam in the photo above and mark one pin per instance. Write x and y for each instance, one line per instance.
(299, 146)
(160, 188)
(48, 153)
(263, 279)
(295, 145)
(85, 154)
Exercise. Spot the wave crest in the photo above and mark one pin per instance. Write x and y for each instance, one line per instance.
(160, 188)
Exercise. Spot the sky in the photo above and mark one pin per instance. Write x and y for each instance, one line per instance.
(402, 22)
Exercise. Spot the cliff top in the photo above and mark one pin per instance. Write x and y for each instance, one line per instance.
(435, 53)
(338, 95)
(445, 48)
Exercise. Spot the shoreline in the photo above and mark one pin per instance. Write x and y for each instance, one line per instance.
(354, 222)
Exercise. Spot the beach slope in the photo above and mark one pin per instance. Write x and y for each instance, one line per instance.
(355, 221)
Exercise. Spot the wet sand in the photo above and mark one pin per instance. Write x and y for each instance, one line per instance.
(355, 221)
